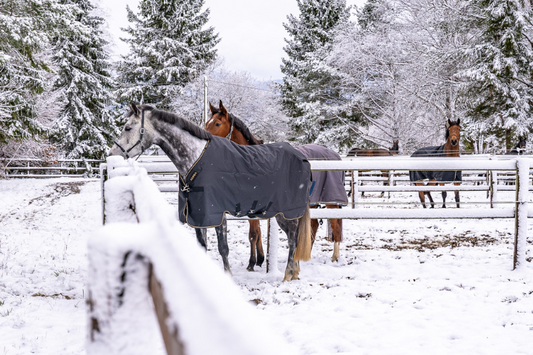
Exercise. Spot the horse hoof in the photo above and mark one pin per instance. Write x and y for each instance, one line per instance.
(250, 268)
(260, 261)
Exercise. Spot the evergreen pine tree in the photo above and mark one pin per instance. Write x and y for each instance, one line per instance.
(26, 28)
(85, 126)
(500, 79)
(309, 85)
(168, 49)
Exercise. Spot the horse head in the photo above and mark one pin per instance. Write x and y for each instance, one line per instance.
(137, 133)
(521, 146)
(453, 132)
(219, 124)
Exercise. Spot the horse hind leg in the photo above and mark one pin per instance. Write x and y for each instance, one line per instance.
(256, 248)
(290, 228)
(335, 234)
(259, 248)
(430, 199)
(223, 249)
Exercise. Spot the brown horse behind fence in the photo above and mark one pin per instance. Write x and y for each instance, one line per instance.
(379, 152)
(449, 149)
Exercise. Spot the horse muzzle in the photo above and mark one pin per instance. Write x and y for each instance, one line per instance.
(118, 150)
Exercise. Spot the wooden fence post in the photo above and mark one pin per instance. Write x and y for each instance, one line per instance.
(171, 339)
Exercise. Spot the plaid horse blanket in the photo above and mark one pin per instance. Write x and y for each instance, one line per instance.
(328, 186)
(244, 180)
(430, 152)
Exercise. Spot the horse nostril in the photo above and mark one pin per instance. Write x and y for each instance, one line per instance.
(454, 142)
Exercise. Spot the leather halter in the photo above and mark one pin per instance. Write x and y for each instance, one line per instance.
(141, 131)
(231, 123)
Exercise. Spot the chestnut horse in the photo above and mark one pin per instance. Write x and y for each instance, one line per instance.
(449, 149)
(224, 124)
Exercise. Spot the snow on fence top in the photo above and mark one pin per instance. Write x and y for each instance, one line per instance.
(206, 310)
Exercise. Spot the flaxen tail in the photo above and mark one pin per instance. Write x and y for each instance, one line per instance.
(303, 249)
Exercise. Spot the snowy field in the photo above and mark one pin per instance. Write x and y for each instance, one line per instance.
(401, 286)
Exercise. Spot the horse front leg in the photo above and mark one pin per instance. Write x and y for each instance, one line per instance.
(223, 248)
(290, 227)
(444, 195)
(201, 236)
(457, 201)
(385, 174)
(431, 183)
(421, 194)
(256, 246)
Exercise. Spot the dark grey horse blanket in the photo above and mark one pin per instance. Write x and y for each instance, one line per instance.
(328, 186)
(430, 152)
(244, 180)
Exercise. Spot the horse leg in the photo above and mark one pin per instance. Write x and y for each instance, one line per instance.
(444, 195)
(223, 249)
(336, 234)
(431, 183)
(385, 174)
(290, 227)
(314, 227)
(201, 236)
(421, 195)
(457, 201)
(259, 246)
(254, 236)
(360, 175)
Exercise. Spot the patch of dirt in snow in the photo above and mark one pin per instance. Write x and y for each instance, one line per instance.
(61, 189)
(48, 197)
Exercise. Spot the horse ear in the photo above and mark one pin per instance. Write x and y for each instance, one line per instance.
(458, 121)
(222, 108)
(134, 108)
(212, 108)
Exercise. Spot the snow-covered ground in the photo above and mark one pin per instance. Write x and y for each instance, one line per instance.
(401, 286)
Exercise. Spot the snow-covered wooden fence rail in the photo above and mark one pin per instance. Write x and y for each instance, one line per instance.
(143, 252)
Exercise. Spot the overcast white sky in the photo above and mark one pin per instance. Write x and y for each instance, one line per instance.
(251, 30)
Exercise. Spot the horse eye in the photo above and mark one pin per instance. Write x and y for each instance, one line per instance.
(127, 128)
(217, 124)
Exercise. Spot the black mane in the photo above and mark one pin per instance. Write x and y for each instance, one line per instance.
(174, 119)
(241, 126)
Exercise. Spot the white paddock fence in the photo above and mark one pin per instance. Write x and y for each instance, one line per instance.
(38, 168)
(144, 253)
(515, 208)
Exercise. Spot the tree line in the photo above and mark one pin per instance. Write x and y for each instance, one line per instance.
(390, 70)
